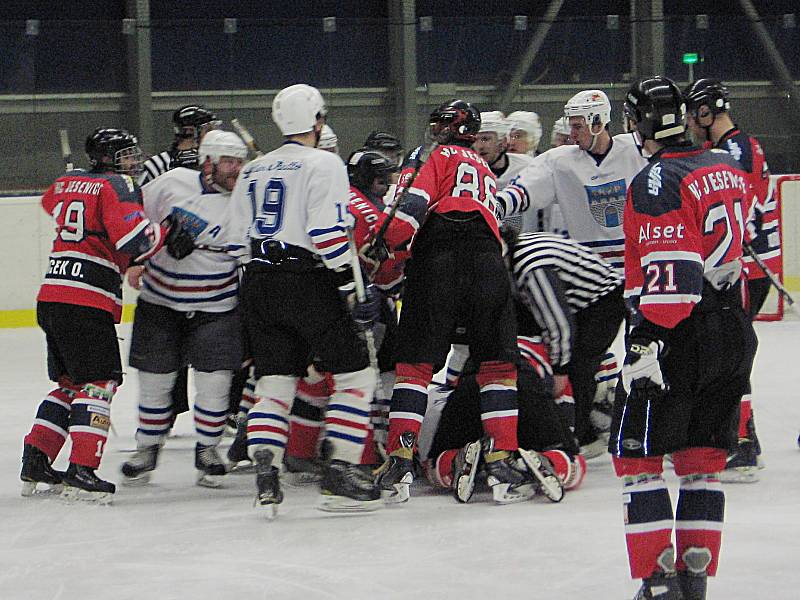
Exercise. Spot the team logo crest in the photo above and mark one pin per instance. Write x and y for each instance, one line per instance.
(190, 221)
(607, 202)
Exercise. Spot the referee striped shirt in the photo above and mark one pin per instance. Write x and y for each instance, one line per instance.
(155, 166)
(557, 277)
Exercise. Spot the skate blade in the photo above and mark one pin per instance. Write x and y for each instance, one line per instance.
(739, 475)
(400, 491)
(268, 509)
(465, 484)
(550, 485)
(209, 481)
(30, 489)
(343, 504)
(503, 493)
(138, 481)
(72, 495)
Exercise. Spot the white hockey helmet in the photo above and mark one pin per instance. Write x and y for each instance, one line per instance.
(328, 138)
(528, 121)
(494, 121)
(217, 143)
(296, 109)
(592, 105)
(561, 126)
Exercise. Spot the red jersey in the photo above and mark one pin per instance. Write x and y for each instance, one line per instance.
(369, 217)
(453, 179)
(100, 229)
(683, 223)
(762, 226)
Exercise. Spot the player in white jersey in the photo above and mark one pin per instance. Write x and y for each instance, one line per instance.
(292, 295)
(589, 179)
(190, 123)
(525, 131)
(560, 134)
(187, 312)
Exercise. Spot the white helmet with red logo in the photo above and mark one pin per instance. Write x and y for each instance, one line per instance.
(592, 105)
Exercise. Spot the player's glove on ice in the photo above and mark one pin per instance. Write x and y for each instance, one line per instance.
(641, 370)
(179, 242)
(364, 313)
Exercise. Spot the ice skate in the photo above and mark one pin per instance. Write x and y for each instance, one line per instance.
(509, 478)
(348, 489)
(238, 459)
(540, 467)
(742, 466)
(82, 484)
(395, 475)
(693, 581)
(209, 465)
(137, 470)
(36, 470)
(466, 465)
(663, 583)
(268, 484)
(303, 471)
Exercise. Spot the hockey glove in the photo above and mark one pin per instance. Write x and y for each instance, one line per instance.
(179, 241)
(641, 370)
(364, 313)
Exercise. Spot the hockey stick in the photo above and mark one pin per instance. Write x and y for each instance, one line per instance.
(773, 279)
(376, 242)
(66, 151)
(247, 137)
(361, 296)
(221, 249)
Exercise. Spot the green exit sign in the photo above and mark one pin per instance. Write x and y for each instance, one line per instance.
(690, 58)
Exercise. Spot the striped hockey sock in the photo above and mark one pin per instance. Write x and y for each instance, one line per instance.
(409, 401)
(498, 402)
(49, 431)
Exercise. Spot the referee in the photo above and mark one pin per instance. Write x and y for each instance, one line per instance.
(575, 297)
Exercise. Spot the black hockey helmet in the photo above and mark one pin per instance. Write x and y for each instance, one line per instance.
(188, 121)
(655, 106)
(364, 166)
(106, 148)
(385, 143)
(455, 122)
(707, 92)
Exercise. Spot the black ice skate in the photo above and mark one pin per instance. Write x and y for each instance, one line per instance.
(209, 465)
(465, 467)
(663, 583)
(542, 469)
(268, 484)
(81, 483)
(395, 475)
(742, 466)
(238, 459)
(36, 470)
(693, 580)
(509, 477)
(347, 488)
(137, 470)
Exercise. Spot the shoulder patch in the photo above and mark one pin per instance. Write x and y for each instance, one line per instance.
(125, 187)
(655, 191)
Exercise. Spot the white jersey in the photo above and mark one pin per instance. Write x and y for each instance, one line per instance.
(300, 196)
(204, 280)
(154, 166)
(591, 196)
(516, 163)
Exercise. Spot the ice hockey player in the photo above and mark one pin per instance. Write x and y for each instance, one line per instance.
(328, 140)
(560, 134)
(187, 312)
(388, 145)
(588, 180)
(491, 143)
(456, 278)
(683, 249)
(708, 106)
(292, 295)
(525, 131)
(100, 231)
(544, 428)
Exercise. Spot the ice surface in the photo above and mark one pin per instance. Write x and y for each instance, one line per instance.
(173, 540)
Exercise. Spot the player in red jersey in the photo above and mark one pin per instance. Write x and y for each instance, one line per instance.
(690, 350)
(101, 230)
(708, 105)
(455, 280)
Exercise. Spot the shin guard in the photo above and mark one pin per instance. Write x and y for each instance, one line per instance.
(90, 419)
